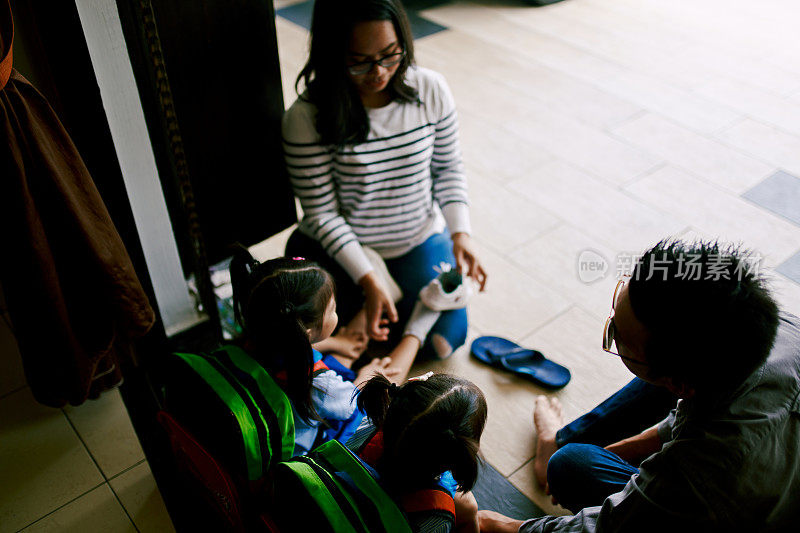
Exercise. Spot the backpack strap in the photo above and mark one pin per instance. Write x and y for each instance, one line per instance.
(340, 459)
(238, 407)
(317, 489)
(273, 402)
(429, 500)
(319, 368)
(372, 450)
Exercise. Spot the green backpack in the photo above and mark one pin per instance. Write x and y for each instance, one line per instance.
(236, 411)
(331, 490)
(234, 408)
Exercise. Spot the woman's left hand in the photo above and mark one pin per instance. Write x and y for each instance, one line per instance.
(467, 259)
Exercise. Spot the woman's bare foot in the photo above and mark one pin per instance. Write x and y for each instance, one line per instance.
(548, 419)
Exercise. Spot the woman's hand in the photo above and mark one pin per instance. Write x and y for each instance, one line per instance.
(467, 259)
(378, 302)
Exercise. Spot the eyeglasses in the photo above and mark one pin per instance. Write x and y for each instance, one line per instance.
(362, 67)
(609, 331)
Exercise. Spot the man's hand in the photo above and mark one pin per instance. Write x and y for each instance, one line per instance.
(377, 303)
(493, 522)
(467, 259)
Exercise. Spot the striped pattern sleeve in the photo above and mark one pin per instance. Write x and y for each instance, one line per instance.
(310, 167)
(447, 169)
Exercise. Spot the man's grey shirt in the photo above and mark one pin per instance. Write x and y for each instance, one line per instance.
(731, 467)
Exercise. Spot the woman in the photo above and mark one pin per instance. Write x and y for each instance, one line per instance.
(372, 151)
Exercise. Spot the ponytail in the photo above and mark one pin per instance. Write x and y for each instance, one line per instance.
(462, 459)
(429, 426)
(242, 266)
(375, 398)
(275, 303)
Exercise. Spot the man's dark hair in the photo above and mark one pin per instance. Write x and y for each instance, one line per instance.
(341, 117)
(710, 317)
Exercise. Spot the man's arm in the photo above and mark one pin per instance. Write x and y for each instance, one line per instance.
(639, 447)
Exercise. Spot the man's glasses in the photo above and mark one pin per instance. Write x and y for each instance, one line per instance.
(387, 61)
(609, 331)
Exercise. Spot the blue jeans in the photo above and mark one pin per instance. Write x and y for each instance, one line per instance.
(411, 271)
(582, 473)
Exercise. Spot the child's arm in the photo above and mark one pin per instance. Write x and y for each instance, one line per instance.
(376, 366)
(466, 513)
(350, 344)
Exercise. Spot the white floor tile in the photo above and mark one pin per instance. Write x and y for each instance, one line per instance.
(106, 430)
(43, 462)
(98, 511)
(754, 102)
(138, 492)
(704, 157)
(555, 259)
(501, 218)
(699, 114)
(777, 147)
(596, 208)
(719, 214)
(514, 304)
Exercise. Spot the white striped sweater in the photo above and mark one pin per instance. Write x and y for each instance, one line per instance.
(390, 192)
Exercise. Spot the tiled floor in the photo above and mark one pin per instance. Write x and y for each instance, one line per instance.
(586, 125)
(77, 469)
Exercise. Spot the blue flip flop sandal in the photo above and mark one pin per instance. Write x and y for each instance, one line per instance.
(529, 364)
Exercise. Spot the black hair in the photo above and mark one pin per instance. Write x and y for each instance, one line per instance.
(341, 117)
(429, 426)
(275, 302)
(710, 317)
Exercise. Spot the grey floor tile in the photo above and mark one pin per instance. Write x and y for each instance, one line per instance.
(496, 493)
(791, 268)
(780, 193)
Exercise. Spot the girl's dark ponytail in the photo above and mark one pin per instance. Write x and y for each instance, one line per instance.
(429, 426)
(463, 460)
(276, 303)
(375, 398)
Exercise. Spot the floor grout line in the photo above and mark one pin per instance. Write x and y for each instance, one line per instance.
(14, 391)
(102, 473)
(76, 498)
(520, 467)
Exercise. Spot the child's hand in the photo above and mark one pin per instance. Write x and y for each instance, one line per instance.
(348, 344)
(376, 366)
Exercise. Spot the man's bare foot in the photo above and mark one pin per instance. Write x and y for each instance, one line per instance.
(548, 419)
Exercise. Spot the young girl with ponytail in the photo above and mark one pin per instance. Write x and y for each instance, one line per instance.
(425, 434)
(284, 306)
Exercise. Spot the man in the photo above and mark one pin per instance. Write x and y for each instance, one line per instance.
(696, 321)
